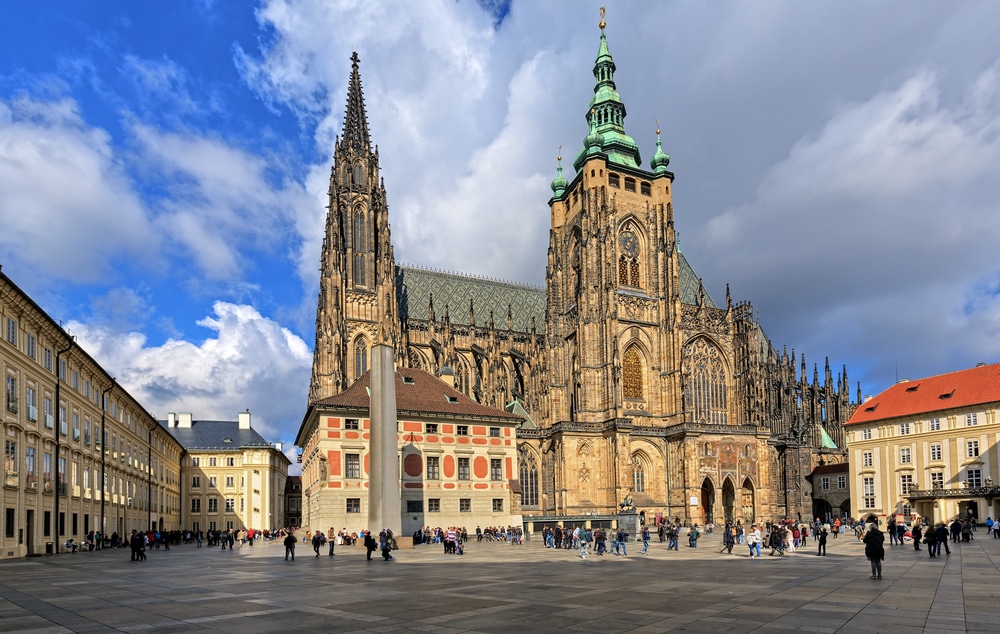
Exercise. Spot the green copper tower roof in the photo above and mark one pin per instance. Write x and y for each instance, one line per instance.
(559, 184)
(661, 159)
(606, 115)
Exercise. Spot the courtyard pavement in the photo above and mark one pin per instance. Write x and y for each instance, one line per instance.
(500, 588)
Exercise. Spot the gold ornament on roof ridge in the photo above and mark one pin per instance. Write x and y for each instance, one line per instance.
(603, 23)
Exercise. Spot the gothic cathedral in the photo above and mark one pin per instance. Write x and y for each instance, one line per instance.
(631, 380)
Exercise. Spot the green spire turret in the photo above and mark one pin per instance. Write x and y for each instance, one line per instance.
(661, 159)
(559, 184)
(606, 114)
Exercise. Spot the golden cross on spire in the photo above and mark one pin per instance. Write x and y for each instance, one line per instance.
(602, 24)
(559, 157)
(657, 126)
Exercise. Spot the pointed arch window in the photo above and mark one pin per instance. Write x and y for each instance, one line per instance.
(360, 357)
(638, 475)
(529, 478)
(632, 373)
(358, 177)
(705, 391)
(360, 246)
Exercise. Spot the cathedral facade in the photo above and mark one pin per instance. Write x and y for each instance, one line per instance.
(631, 381)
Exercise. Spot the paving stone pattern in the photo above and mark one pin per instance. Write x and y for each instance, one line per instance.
(500, 588)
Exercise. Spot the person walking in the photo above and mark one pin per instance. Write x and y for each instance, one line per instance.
(918, 532)
(822, 543)
(930, 538)
(370, 544)
(289, 542)
(942, 539)
(874, 547)
(728, 540)
(645, 540)
(753, 541)
(331, 538)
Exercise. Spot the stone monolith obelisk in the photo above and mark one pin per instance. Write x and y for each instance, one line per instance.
(383, 462)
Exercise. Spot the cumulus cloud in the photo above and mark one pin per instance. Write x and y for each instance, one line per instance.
(67, 206)
(249, 361)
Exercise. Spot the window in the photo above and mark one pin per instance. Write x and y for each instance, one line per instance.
(824, 484)
(31, 479)
(866, 434)
(496, 469)
(841, 482)
(706, 388)
(352, 465)
(230, 482)
(196, 505)
(462, 430)
(11, 394)
(971, 420)
(632, 373)
(213, 505)
(463, 468)
(431, 428)
(86, 432)
(613, 180)
(230, 505)
(905, 484)
(31, 346)
(867, 461)
(62, 369)
(353, 505)
(48, 359)
(629, 184)
(360, 358)
(974, 478)
(645, 189)
(434, 505)
(498, 505)
(528, 468)
(972, 448)
(907, 510)
(32, 399)
(638, 476)
(351, 423)
(9, 525)
(904, 429)
(868, 490)
(195, 482)
(936, 451)
(213, 462)
(494, 432)
(76, 427)
(212, 482)
(76, 380)
(937, 480)
(62, 421)
(465, 505)
(904, 455)
(359, 249)
(195, 462)
(934, 424)
(414, 506)
(10, 460)
(433, 468)
(230, 462)
(11, 331)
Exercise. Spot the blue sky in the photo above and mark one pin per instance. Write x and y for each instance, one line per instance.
(163, 167)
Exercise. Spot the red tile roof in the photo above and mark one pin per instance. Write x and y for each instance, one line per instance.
(832, 468)
(421, 393)
(964, 388)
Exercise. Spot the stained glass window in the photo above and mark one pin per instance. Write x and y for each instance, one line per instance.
(632, 373)
(360, 358)
(360, 246)
(705, 389)
(529, 478)
(638, 475)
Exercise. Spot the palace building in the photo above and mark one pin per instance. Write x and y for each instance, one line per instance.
(630, 381)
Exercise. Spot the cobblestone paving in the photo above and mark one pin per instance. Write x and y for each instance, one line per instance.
(500, 588)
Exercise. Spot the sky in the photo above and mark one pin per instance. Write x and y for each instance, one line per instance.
(164, 167)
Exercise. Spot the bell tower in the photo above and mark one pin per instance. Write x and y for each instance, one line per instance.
(357, 297)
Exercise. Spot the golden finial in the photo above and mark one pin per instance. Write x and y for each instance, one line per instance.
(602, 24)
(559, 157)
(657, 126)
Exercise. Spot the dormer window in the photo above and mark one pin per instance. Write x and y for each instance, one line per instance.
(408, 380)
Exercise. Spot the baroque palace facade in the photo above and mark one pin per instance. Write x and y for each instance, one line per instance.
(630, 379)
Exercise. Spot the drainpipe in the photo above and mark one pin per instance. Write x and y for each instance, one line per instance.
(104, 458)
(55, 435)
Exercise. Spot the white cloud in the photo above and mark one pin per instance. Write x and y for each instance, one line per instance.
(67, 206)
(250, 361)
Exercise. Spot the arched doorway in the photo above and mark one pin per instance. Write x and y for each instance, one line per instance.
(748, 502)
(822, 510)
(729, 500)
(845, 508)
(707, 500)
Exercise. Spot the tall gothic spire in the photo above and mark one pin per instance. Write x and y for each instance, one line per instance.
(355, 133)
(606, 113)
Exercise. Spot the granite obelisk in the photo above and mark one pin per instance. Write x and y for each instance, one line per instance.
(383, 481)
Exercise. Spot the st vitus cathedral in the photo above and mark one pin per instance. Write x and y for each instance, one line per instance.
(631, 380)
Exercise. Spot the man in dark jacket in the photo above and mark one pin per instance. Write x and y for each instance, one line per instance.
(942, 538)
(370, 544)
(290, 540)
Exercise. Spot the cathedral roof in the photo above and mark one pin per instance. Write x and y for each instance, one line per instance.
(690, 284)
(417, 392)
(416, 286)
(965, 388)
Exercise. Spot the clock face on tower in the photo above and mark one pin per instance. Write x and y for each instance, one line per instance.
(629, 243)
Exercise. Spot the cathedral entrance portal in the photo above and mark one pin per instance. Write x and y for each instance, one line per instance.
(707, 500)
(728, 500)
(748, 514)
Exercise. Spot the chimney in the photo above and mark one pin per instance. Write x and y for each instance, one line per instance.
(171, 420)
(244, 419)
(184, 420)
